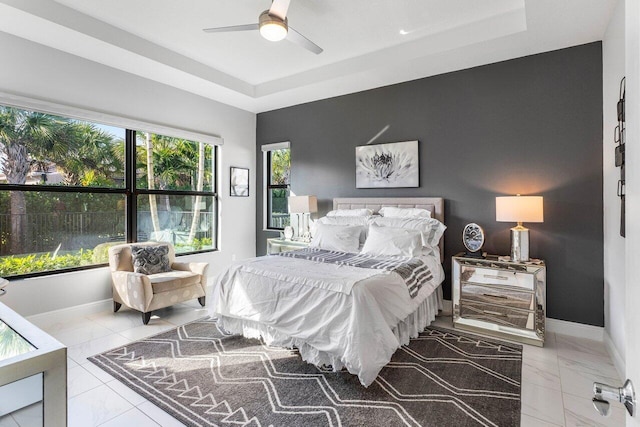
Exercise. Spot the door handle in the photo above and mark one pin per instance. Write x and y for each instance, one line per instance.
(602, 393)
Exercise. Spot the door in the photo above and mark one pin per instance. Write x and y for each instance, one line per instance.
(632, 308)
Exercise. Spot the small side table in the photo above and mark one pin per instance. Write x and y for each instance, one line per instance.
(499, 297)
(277, 245)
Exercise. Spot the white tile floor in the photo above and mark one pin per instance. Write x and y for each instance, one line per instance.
(556, 379)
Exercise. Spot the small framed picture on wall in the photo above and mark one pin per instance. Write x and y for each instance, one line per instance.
(239, 182)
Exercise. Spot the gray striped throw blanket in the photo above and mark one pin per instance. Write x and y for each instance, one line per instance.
(413, 271)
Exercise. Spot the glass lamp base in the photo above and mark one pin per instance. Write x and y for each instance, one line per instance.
(519, 244)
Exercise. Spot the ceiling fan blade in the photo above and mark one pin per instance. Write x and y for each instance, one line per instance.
(279, 8)
(247, 27)
(298, 38)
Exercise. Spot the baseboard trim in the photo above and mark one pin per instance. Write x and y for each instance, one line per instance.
(618, 360)
(76, 310)
(578, 330)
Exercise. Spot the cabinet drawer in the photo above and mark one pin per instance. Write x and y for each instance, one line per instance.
(497, 277)
(509, 297)
(500, 315)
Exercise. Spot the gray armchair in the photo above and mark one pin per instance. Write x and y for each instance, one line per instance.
(146, 293)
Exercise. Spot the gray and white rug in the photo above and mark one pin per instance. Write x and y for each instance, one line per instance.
(205, 377)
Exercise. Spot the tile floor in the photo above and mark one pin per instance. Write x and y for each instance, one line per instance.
(556, 379)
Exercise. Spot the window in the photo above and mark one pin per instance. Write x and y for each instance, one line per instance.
(70, 189)
(277, 166)
(174, 187)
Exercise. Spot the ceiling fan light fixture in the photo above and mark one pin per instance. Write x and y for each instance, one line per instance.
(272, 28)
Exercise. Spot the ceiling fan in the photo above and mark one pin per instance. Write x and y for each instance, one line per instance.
(274, 26)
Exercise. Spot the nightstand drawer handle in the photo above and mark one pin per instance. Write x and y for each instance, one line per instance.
(495, 296)
(494, 313)
(489, 276)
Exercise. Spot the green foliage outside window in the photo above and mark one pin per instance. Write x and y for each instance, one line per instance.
(50, 230)
(278, 188)
(14, 265)
(280, 166)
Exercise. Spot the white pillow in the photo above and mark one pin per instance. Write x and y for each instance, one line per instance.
(361, 221)
(344, 238)
(393, 212)
(431, 228)
(392, 242)
(350, 212)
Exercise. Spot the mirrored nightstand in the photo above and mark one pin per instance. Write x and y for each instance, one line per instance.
(277, 245)
(501, 298)
(31, 358)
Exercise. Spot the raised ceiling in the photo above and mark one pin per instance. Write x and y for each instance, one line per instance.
(367, 43)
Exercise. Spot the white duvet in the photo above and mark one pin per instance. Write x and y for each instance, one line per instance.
(335, 315)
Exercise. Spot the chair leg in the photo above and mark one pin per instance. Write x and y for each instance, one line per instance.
(116, 306)
(202, 301)
(146, 317)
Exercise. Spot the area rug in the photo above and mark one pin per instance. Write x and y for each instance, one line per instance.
(204, 377)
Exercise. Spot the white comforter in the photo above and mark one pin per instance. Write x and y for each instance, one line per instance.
(335, 315)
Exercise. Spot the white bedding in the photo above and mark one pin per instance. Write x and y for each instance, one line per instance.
(335, 315)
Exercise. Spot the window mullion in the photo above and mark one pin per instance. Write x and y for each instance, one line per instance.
(130, 184)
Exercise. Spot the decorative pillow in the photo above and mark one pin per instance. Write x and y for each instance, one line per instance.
(150, 259)
(393, 212)
(350, 212)
(362, 221)
(431, 228)
(344, 238)
(392, 241)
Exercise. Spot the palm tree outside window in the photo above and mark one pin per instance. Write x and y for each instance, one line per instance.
(69, 189)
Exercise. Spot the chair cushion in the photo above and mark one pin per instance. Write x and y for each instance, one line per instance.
(172, 280)
(150, 259)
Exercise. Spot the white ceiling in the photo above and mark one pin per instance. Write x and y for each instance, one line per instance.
(367, 43)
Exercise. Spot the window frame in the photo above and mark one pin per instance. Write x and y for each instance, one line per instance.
(129, 190)
(267, 151)
(132, 200)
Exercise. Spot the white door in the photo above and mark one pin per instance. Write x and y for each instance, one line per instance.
(632, 242)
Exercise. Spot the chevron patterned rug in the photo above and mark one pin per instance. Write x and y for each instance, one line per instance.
(205, 377)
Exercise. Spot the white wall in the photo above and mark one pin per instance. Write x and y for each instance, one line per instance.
(632, 295)
(40, 72)
(613, 63)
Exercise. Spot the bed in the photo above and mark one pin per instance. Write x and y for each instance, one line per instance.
(336, 315)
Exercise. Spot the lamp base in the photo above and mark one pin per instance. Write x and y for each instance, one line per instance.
(519, 243)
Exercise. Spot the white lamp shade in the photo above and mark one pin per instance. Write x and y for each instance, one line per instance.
(519, 209)
(303, 204)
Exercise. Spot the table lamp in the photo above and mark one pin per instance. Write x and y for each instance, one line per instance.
(519, 209)
(303, 205)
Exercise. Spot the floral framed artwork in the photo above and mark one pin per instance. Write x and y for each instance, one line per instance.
(239, 185)
(390, 165)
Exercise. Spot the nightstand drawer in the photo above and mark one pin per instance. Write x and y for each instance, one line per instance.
(497, 314)
(509, 297)
(492, 276)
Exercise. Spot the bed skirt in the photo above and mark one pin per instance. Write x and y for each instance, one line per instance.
(410, 327)
(419, 319)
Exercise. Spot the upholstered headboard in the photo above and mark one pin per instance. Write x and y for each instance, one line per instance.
(433, 204)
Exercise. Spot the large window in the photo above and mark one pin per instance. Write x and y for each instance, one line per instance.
(175, 184)
(277, 166)
(70, 189)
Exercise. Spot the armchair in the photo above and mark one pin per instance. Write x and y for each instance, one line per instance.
(146, 293)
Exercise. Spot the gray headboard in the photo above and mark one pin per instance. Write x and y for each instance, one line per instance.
(433, 204)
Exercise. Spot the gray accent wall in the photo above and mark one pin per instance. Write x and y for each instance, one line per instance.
(531, 125)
